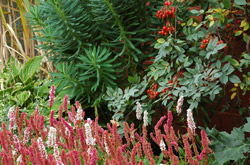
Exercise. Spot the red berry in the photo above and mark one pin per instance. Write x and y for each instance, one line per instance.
(155, 86)
(170, 81)
(228, 25)
(207, 40)
(164, 16)
(164, 28)
(173, 9)
(165, 33)
(167, 3)
(238, 21)
(158, 12)
(159, 32)
(156, 93)
(202, 46)
(152, 93)
(168, 29)
(204, 41)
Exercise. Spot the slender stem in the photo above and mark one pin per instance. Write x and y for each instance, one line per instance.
(119, 23)
(247, 46)
(175, 22)
(194, 146)
(96, 111)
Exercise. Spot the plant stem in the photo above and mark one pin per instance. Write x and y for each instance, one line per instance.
(96, 111)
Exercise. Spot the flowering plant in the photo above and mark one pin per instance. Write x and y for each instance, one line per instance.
(72, 140)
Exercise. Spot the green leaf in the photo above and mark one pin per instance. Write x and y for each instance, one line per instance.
(228, 146)
(246, 127)
(238, 32)
(157, 46)
(161, 40)
(218, 64)
(220, 46)
(224, 79)
(30, 68)
(227, 4)
(190, 22)
(22, 97)
(234, 79)
(245, 38)
(225, 67)
(240, 2)
(160, 158)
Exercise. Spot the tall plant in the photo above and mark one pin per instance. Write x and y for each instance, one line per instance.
(68, 28)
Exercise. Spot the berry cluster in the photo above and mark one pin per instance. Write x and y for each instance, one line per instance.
(204, 43)
(153, 92)
(166, 11)
(168, 29)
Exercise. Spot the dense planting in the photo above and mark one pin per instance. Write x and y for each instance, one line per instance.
(70, 139)
(144, 72)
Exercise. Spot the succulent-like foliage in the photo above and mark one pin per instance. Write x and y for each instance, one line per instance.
(70, 30)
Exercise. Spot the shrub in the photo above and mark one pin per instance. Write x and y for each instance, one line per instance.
(72, 140)
(21, 86)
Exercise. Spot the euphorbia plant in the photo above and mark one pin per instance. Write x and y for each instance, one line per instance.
(72, 140)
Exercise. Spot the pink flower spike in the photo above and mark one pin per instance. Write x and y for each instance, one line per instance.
(26, 135)
(17, 143)
(94, 157)
(51, 137)
(51, 96)
(205, 141)
(41, 147)
(77, 104)
(37, 108)
(65, 103)
(190, 121)
(51, 118)
(57, 155)
(179, 104)
(77, 160)
(170, 120)
(138, 111)
(12, 121)
(159, 123)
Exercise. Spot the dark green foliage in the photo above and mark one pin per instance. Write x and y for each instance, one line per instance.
(64, 27)
(89, 78)
(234, 146)
(68, 28)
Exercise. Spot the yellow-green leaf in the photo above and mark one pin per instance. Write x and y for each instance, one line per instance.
(161, 40)
(233, 95)
(233, 89)
(211, 23)
(243, 23)
(195, 24)
(210, 18)
(238, 33)
(190, 22)
(246, 27)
